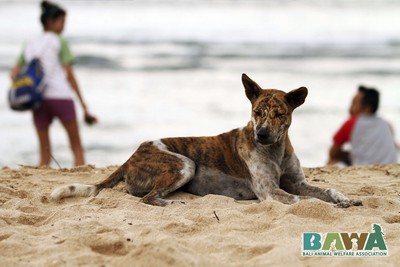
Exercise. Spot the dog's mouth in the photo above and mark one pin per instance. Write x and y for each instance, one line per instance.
(265, 141)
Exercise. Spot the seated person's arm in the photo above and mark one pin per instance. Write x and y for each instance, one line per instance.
(337, 154)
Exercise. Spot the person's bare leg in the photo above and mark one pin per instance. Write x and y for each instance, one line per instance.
(44, 146)
(75, 141)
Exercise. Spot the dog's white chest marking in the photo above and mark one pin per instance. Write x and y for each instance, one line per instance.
(264, 174)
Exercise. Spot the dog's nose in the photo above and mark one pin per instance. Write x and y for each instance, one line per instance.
(262, 133)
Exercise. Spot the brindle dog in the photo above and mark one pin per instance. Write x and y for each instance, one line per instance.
(256, 161)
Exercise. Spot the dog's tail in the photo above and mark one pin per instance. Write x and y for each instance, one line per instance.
(82, 190)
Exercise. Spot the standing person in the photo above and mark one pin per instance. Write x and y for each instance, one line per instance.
(60, 83)
(371, 137)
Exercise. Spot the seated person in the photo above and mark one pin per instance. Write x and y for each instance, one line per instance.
(371, 137)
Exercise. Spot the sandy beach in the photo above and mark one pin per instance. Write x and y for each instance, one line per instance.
(116, 229)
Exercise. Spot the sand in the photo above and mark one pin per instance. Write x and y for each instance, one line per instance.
(116, 229)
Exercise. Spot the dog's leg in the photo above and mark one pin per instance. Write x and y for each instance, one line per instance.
(293, 182)
(307, 191)
(170, 172)
(285, 197)
(328, 195)
(266, 189)
(168, 181)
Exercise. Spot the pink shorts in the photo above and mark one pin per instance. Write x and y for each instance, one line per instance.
(63, 109)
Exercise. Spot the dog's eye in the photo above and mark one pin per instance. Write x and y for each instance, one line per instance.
(279, 115)
(258, 113)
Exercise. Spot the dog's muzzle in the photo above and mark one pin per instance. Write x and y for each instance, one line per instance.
(264, 137)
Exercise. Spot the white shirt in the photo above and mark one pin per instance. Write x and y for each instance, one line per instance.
(47, 48)
(372, 142)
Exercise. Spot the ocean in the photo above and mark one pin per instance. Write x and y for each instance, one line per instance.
(152, 69)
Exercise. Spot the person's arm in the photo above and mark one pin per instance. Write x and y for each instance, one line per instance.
(342, 136)
(67, 60)
(89, 119)
(337, 154)
(14, 71)
(18, 66)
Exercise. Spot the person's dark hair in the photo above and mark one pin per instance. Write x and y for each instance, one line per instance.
(50, 11)
(370, 97)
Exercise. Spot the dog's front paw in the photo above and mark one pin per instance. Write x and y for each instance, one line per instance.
(349, 203)
(336, 196)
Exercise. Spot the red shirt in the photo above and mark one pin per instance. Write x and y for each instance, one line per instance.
(344, 134)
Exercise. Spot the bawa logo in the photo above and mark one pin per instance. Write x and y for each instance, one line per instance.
(345, 244)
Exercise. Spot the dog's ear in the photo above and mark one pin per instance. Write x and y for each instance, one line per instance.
(296, 97)
(253, 90)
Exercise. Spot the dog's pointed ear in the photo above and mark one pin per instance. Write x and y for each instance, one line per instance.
(296, 97)
(253, 90)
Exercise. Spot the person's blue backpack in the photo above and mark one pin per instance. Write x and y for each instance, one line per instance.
(26, 91)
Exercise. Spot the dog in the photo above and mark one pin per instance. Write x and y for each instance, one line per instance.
(256, 161)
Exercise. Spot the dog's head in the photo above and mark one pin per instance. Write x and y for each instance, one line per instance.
(271, 110)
